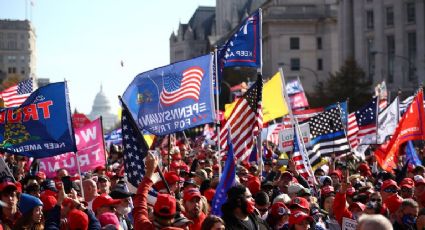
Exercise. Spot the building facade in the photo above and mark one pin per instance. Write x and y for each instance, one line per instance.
(301, 36)
(387, 39)
(17, 49)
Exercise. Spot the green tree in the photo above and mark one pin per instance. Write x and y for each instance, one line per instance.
(349, 82)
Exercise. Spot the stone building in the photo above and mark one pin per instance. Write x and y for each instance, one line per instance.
(17, 49)
(387, 39)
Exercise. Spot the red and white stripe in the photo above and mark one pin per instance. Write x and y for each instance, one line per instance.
(244, 124)
(189, 88)
(352, 131)
(382, 104)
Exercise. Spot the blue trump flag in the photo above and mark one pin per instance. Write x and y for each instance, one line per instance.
(41, 126)
(227, 180)
(411, 155)
(244, 47)
(174, 97)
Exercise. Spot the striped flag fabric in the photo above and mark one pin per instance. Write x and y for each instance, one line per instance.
(300, 157)
(352, 130)
(14, 96)
(328, 135)
(177, 88)
(362, 125)
(245, 121)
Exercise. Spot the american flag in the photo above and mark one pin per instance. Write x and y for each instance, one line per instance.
(134, 150)
(177, 88)
(327, 135)
(362, 125)
(300, 157)
(17, 94)
(245, 121)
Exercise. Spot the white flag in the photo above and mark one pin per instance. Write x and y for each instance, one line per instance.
(388, 120)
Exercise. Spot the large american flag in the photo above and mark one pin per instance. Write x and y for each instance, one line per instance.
(362, 125)
(245, 121)
(17, 94)
(134, 150)
(177, 88)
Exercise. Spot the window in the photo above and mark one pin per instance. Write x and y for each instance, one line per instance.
(391, 56)
(319, 43)
(389, 16)
(11, 70)
(294, 43)
(319, 64)
(371, 58)
(411, 54)
(295, 64)
(369, 19)
(410, 10)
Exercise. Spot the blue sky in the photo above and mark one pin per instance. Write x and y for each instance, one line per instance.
(84, 41)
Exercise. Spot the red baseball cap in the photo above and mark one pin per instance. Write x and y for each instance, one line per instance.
(350, 191)
(336, 172)
(300, 202)
(298, 217)
(7, 184)
(100, 168)
(327, 190)
(41, 175)
(279, 209)
(209, 194)
(407, 182)
(388, 183)
(104, 200)
(172, 178)
(359, 205)
(77, 220)
(191, 193)
(165, 205)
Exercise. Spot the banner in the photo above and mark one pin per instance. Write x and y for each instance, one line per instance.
(286, 137)
(41, 126)
(79, 120)
(410, 127)
(4, 170)
(173, 98)
(91, 152)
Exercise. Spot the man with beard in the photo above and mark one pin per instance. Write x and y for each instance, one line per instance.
(124, 208)
(193, 205)
(238, 211)
(406, 215)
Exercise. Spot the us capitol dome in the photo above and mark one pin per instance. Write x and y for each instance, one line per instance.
(102, 108)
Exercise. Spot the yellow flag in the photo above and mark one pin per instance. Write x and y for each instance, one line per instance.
(274, 104)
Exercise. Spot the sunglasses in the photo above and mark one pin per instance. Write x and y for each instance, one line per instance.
(406, 189)
(263, 210)
(375, 200)
(390, 190)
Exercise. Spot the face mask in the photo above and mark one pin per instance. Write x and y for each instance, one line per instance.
(123, 210)
(408, 220)
(250, 206)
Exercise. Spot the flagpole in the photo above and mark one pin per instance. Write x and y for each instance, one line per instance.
(217, 100)
(103, 141)
(294, 122)
(79, 173)
(345, 131)
(377, 119)
(141, 138)
(259, 141)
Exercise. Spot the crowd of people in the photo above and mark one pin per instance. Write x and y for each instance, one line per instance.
(268, 196)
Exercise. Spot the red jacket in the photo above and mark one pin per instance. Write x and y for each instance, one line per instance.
(140, 211)
(340, 208)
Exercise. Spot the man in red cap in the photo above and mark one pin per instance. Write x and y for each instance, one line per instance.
(389, 187)
(299, 204)
(300, 220)
(407, 186)
(336, 176)
(104, 203)
(173, 181)
(164, 209)
(193, 207)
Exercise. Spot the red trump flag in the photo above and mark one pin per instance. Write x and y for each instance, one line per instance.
(410, 127)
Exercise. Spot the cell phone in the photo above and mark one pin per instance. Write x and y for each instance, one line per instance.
(282, 162)
(67, 184)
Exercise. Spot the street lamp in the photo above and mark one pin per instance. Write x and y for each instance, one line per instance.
(306, 68)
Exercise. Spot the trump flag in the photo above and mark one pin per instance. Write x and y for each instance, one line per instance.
(41, 126)
(174, 97)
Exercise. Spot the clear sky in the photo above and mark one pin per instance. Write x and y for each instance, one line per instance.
(84, 41)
